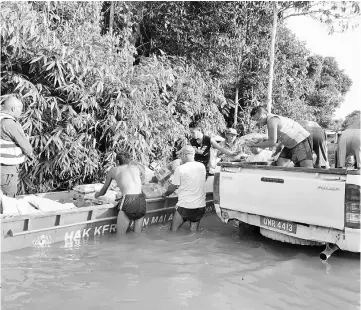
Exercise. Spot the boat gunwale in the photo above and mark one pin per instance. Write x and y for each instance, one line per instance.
(16, 217)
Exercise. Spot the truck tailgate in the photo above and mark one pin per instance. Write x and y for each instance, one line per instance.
(303, 197)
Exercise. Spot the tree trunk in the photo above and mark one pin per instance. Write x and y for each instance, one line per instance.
(236, 107)
(272, 56)
(111, 20)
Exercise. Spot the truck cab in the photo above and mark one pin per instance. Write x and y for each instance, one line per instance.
(297, 205)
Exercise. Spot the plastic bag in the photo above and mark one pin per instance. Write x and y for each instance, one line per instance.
(251, 138)
(153, 190)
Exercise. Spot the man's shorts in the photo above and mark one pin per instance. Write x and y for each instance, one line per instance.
(192, 215)
(134, 206)
(301, 151)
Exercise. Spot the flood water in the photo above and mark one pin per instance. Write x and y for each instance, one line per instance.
(211, 269)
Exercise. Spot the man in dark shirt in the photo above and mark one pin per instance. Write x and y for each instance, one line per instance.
(14, 145)
(202, 145)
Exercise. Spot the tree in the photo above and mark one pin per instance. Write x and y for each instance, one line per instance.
(352, 120)
(231, 42)
(84, 100)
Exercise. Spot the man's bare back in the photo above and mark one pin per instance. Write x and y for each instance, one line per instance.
(128, 178)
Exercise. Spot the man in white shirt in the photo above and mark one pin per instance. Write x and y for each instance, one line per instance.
(190, 180)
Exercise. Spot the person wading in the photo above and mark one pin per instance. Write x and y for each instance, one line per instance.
(190, 180)
(14, 145)
(296, 140)
(202, 145)
(132, 206)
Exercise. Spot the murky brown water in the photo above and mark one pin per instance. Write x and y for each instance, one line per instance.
(211, 269)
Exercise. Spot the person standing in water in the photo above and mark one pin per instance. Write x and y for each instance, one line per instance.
(132, 206)
(14, 145)
(190, 180)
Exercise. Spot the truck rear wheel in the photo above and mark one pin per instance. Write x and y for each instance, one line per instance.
(289, 239)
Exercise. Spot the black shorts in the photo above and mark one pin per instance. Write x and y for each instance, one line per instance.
(134, 206)
(301, 151)
(192, 215)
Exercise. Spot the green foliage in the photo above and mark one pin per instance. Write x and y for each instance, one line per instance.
(84, 99)
(231, 40)
(352, 120)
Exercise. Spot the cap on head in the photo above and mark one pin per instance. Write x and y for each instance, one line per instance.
(187, 150)
(231, 131)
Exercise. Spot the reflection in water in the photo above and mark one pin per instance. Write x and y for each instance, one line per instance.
(211, 269)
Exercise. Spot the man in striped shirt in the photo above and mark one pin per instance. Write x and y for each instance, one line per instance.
(14, 145)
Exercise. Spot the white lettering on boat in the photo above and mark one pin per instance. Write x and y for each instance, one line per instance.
(97, 230)
(111, 228)
(77, 235)
(105, 228)
(86, 232)
(145, 222)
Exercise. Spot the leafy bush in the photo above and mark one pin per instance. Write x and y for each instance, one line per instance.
(84, 99)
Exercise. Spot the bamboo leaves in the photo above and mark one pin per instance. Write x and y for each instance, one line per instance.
(84, 100)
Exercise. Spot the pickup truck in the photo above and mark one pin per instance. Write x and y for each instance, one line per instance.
(296, 205)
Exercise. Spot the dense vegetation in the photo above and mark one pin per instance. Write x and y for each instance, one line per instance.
(88, 92)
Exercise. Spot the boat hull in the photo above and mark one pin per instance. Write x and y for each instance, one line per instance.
(71, 226)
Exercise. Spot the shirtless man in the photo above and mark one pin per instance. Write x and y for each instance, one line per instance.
(132, 206)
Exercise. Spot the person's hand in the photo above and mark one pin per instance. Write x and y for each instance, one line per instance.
(197, 150)
(236, 153)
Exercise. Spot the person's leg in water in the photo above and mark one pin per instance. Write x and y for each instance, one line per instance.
(194, 226)
(177, 221)
(138, 224)
(122, 223)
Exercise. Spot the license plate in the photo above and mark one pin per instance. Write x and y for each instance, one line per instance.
(279, 225)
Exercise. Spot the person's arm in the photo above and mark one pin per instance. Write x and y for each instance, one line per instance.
(272, 135)
(16, 133)
(170, 190)
(223, 150)
(175, 182)
(105, 187)
(278, 149)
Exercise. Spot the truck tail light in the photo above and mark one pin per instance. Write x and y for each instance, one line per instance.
(352, 206)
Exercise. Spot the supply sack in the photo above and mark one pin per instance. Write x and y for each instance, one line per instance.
(153, 190)
(47, 205)
(163, 174)
(251, 138)
(264, 156)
